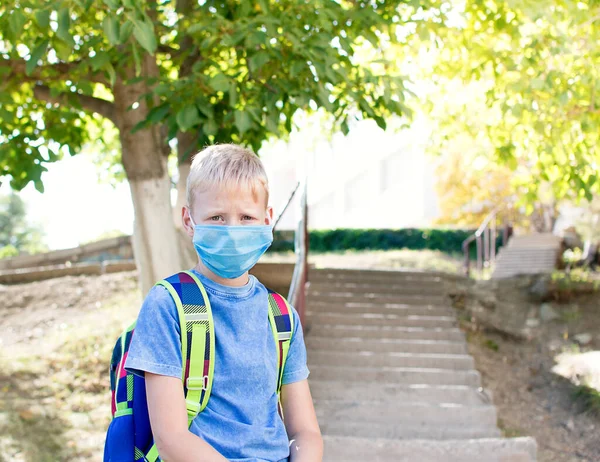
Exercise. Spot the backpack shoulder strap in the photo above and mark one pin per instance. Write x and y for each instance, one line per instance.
(197, 339)
(282, 325)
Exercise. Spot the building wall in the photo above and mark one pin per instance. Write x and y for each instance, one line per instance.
(368, 179)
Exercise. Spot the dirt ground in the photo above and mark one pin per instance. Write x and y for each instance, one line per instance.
(532, 400)
(56, 338)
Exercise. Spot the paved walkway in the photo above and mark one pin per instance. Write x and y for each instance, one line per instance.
(390, 374)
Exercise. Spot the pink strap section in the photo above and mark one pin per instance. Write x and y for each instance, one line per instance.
(122, 371)
(280, 303)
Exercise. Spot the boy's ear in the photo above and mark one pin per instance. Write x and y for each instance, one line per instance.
(269, 217)
(187, 222)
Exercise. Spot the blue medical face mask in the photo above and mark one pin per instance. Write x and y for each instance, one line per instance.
(230, 251)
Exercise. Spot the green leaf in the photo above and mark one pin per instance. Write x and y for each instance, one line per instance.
(211, 127)
(143, 31)
(272, 122)
(125, 32)
(111, 29)
(258, 60)
(39, 186)
(42, 17)
(297, 67)
(188, 117)
(112, 75)
(16, 21)
(219, 82)
(243, 122)
(112, 4)
(64, 23)
(158, 113)
(63, 51)
(36, 55)
(136, 59)
(233, 94)
(99, 61)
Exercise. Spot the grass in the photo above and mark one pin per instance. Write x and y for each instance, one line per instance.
(509, 432)
(589, 398)
(422, 260)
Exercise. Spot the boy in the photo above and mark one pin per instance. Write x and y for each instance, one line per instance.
(230, 224)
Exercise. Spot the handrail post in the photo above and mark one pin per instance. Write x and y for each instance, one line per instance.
(493, 243)
(305, 238)
(486, 246)
(465, 247)
(479, 253)
(297, 292)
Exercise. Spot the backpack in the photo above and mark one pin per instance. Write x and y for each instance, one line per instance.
(129, 436)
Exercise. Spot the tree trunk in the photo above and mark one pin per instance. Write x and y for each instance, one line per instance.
(155, 240)
(186, 143)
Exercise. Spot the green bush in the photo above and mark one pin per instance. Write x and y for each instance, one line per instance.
(445, 240)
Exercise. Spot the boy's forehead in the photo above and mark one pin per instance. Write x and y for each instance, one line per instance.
(230, 194)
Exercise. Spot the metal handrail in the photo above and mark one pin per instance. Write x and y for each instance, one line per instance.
(287, 204)
(485, 241)
(297, 293)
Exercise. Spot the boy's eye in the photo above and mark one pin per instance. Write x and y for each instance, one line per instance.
(216, 218)
(247, 217)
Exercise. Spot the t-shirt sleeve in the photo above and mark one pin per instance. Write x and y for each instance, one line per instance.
(156, 343)
(295, 365)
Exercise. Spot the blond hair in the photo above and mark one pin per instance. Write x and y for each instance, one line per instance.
(226, 165)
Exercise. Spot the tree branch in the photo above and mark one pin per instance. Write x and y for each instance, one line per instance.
(61, 71)
(90, 103)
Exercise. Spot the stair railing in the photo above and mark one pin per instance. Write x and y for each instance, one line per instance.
(297, 293)
(485, 242)
(287, 204)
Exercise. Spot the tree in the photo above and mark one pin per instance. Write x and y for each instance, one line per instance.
(200, 72)
(539, 63)
(16, 235)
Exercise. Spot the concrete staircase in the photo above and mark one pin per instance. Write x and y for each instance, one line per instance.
(390, 374)
(530, 254)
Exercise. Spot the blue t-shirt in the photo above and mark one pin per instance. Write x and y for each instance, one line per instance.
(241, 420)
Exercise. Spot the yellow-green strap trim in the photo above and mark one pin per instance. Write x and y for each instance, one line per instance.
(118, 371)
(211, 327)
(123, 412)
(195, 381)
(286, 343)
(152, 455)
(182, 325)
(276, 337)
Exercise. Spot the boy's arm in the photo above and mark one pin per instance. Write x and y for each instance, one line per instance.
(301, 423)
(168, 419)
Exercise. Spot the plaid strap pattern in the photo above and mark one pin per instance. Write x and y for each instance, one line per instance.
(280, 317)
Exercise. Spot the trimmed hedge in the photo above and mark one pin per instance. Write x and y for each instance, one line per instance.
(444, 240)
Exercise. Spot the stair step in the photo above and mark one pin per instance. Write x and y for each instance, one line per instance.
(321, 329)
(381, 287)
(408, 299)
(399, 375)
(409, 431)
(351, 449)
(383, 308)
(362, 276)
(376, 319)
(396, 413)
(393, 359)
(354, 344)
(392, 392)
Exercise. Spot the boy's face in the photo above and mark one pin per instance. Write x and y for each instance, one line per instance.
(228, 206)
